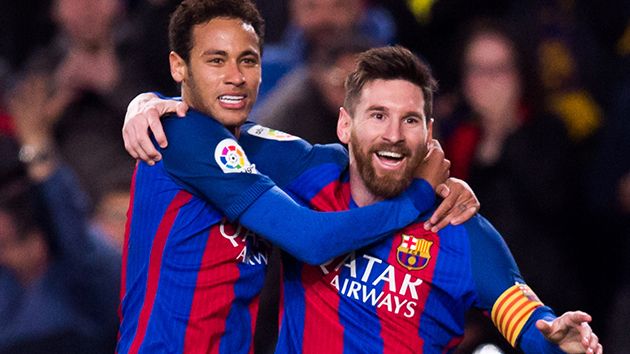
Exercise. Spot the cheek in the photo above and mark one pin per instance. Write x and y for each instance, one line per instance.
(254, 76)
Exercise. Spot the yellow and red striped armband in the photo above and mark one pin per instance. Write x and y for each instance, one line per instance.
(512, 310)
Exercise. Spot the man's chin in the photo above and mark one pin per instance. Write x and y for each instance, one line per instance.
(391, 187)
(231, 119)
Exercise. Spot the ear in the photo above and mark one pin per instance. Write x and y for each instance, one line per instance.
(344, 125)
(179, 68)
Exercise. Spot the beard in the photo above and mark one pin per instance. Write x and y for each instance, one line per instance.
(391, 183)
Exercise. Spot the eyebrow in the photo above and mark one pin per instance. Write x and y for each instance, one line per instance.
(225, 54)
(379, 108)
(249, 52)
(214, 52)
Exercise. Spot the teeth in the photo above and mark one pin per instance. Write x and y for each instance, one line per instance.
(390, 154)
(231, 99)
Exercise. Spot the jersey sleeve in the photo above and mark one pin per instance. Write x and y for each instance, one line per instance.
(316, 237)
(284, 157)
(205, 158)
(514, 308)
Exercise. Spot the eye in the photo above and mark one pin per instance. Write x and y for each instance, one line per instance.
(412, 120)
(377, 115)
(215, 60)
(251, 61)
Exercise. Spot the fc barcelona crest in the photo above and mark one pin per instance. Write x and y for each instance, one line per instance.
(414, 253)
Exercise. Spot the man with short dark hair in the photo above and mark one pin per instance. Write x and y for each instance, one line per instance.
(191, 274)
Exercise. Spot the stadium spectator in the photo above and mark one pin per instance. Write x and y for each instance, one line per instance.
(517, 157)
(58, 282)
(307, 101)
(79, 81)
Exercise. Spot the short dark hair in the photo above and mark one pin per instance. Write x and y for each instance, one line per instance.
(390, 63)
(194, 12)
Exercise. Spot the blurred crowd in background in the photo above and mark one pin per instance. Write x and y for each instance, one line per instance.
(533, 111)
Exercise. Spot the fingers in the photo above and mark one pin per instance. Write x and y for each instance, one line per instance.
(181, 109)
(467, 204)
(144, 146)
(468, 210)
(441, 217)
(143, 117)
(137, 140)
(593, 345)
(459, 205)
(442, 190)
(544, 327)
(587, 336)
(153, 120)
(577, 317)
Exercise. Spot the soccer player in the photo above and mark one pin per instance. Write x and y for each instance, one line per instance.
(408, 293)
(191, 274)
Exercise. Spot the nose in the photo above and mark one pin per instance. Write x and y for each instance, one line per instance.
(393, 133)
(234, 75)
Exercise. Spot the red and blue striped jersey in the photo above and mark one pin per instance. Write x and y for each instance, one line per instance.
(191, 275)
(408, 293)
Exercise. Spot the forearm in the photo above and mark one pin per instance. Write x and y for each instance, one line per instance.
(315, 237)
(66, 205)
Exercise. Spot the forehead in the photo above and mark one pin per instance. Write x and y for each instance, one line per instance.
(392, 94)
(225, 34)
(487, 47)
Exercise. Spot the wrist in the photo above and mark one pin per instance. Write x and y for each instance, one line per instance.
(40, 161)
(32, 154)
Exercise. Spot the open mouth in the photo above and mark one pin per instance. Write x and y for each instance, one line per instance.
(389, 159)
(232, 101)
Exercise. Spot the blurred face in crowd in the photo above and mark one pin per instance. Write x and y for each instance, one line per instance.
(222, 76)
(321, 20)
(87, 21)
(17, 253)
(386, 134)
(491, 82)
(330, 80)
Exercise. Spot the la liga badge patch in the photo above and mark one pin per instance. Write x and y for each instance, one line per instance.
(231, 158)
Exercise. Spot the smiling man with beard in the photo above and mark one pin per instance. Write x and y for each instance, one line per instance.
(408, 293)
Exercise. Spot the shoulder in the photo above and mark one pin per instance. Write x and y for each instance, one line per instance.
(195, 134)
(194, 121)
(482, 233)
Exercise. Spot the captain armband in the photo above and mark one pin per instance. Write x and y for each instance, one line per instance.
(512, 310)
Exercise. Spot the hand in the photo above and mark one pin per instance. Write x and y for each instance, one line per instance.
(83, 70)
(459, 205)
(35, 109)
(435, 168)
(571, 333)
(143, 114)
